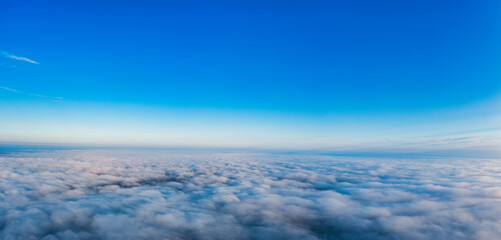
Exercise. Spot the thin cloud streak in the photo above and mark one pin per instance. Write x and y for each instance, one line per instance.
(24, 59)
(11, 90)
(54, 99)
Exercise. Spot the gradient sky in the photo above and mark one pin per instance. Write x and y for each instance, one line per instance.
(324, 75)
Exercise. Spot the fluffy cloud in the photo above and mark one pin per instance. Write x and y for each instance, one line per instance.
(84, 194)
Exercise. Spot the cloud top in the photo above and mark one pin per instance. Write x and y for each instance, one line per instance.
(92, 194)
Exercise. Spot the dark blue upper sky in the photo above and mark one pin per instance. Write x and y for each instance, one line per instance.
(300, 57)
(278, 55)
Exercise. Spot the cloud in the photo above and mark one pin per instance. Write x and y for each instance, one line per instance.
(19, 58)
(11, 90)
(53, 99)
(104, 194)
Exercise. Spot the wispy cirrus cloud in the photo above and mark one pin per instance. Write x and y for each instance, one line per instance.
(11, 90)
(54, 99)
(24, 59)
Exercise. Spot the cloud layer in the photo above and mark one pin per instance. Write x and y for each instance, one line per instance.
(98, 194)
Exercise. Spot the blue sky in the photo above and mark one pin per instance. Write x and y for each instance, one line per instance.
(330, 75)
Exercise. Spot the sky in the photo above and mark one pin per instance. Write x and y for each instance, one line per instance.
(342, 76)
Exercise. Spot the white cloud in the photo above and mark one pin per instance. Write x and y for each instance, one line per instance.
(91, 194)
(19, 58)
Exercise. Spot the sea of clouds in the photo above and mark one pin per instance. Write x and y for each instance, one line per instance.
(119, 194)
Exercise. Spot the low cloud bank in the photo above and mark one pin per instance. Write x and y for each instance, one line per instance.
(95, 194)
